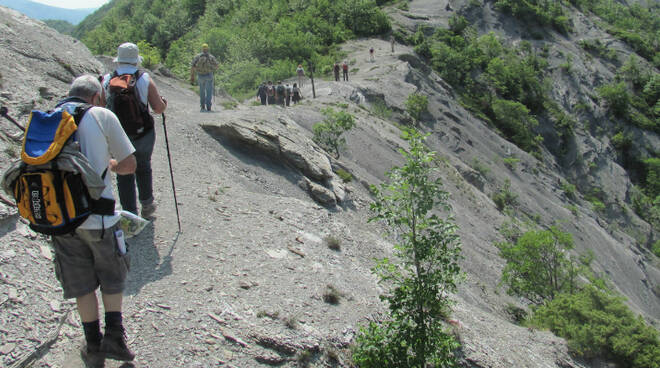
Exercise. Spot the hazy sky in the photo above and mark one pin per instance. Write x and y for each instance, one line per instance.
(73, 4)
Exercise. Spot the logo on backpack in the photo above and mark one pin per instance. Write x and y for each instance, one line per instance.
(124, 100)
(53, 183)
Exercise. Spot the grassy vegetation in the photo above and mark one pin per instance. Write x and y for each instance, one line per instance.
(502, 84)
(596, 322)
(505, 199)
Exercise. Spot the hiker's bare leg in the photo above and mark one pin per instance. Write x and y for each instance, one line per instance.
(88, 307)
(112, 302)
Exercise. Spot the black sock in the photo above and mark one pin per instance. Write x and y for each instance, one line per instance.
(92, 332)
(113, 320)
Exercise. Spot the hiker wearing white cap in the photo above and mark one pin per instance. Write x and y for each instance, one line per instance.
(138, 124)
(204, 64)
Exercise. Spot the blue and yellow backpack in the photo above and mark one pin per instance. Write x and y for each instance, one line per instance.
(53, 183)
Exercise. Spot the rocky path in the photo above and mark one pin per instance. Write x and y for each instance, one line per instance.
(244, 281)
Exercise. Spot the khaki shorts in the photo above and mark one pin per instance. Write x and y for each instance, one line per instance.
(84, 261)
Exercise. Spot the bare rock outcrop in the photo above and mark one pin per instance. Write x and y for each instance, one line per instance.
(38, 63)
(277, 135)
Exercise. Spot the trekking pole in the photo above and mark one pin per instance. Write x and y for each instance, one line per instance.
(4, 112)
(169, 159)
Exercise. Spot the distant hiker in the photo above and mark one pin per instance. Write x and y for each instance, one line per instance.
(392, 42)
(279, 93)
(296, 95)
(204, 64)
(270, 92)
(372, 58)
(261, 93)
(140, 94)
(287, 94)
(301, 74)
(335, 69)
(94, 254)
(344, 67)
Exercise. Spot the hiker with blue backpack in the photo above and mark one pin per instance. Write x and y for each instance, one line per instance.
(63, 188)
(129, 92)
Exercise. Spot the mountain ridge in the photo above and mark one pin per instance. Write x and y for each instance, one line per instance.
(43, 12)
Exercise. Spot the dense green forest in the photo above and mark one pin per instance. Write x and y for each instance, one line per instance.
(254, 40)
(61, 26)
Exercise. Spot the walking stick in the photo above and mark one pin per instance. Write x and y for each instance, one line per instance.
(3, 112)
(169, 159)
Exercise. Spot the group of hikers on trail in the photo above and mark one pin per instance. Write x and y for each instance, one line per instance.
(278, 94)
(62, 186)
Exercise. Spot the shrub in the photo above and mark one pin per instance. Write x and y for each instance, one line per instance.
(652, 182)
(345, 176)
(617, 98)
(291, 321)
(543, 12)
(511, 162)
(150, 55)
(380, 109)
(622, 141)
(515, 122)
(537, 265)
(332, 242)
(599, 324)
(505, 198)
(428, 249)
(328, 134)
(655, 248)
(569, 189)
(331, 295)
(480, 167)
(416, 105)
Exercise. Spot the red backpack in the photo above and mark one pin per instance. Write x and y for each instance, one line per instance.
(124, 100)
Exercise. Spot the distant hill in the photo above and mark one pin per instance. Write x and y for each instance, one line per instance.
(42, 12)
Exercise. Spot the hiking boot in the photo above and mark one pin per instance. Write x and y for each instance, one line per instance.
(202, 109)
(92, 356)
(148, 210)
(114, 346)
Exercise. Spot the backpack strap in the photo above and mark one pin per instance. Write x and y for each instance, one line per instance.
(101, 206)
(80, 111)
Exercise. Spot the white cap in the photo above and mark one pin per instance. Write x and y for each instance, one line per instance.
(128, 53)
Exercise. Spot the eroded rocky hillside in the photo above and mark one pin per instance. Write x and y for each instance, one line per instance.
(242, 285)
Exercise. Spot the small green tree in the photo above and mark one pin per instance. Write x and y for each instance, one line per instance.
(328, 134)
(428, 249)
(416, 105)
(538, 266)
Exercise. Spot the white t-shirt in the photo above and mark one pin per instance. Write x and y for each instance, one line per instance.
(101, 137)
(142, 83)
